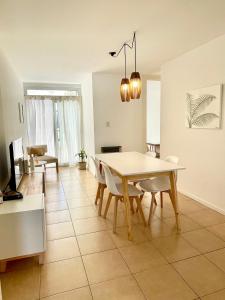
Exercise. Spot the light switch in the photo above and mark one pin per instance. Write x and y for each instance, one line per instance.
(107, 124)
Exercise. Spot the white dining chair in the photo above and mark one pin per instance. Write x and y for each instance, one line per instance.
(158, 185)
(116, 190)
(100, 176)
(135, 182)
(101, 184)
(151, 153)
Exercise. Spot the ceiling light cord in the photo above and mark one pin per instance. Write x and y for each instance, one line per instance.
(125, 60)
(135, 52)
(126, 44)
(130, 89)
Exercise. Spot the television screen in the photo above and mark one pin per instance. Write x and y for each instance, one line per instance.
(16, 159)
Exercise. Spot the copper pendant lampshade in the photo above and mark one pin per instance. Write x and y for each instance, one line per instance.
(135, 78)
(125, 82)
(129, 89)
(135, 85)
(125, 90)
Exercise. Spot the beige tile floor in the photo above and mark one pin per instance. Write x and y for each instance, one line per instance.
(85, 260)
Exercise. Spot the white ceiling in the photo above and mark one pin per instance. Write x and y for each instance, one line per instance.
(52, 40)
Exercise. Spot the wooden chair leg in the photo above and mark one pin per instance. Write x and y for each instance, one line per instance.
(101, 199)
(161, 199)
(107, 205)
(115, 214)
(141, 197)
(138, 201)
(3, 265)
(98, 194)
(57, 167)
(132, 205)
(151, 208)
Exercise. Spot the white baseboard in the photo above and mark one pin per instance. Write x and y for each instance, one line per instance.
(202, 201)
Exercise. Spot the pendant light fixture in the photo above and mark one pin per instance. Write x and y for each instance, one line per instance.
(129, 89)
(125, 82)
(135, 78)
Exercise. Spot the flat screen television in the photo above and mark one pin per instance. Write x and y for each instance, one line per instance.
(16, 163)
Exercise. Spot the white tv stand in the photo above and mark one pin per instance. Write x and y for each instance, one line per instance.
(22, 222)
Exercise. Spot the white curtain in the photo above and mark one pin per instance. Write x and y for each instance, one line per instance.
(69, 130)
(55, 121)
(40, 123)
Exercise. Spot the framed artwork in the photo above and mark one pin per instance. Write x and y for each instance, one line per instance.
(21, 112)
(203, 107)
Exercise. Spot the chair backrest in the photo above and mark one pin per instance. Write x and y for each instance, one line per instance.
(110, 180)
(172, 159)
(98, 174)
(151, 153)
(38, 150)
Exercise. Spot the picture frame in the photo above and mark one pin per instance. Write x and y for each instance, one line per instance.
(203, 108)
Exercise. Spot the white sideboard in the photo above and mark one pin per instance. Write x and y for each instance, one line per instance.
(22, 222)
(22, 228)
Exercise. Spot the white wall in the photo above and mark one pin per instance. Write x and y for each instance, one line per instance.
(88, 117)
(127, 120)
(11, 92)
(201, 151)
(153, 111)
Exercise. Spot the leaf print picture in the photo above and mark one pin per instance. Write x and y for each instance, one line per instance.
(203, 108)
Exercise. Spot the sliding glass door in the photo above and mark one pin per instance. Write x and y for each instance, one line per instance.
(55, 121)
(67, 130)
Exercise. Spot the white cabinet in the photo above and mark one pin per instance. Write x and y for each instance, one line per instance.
(22, 228)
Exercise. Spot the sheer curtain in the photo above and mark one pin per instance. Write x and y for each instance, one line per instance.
(69, 130)
(40, 122)
(55, 121)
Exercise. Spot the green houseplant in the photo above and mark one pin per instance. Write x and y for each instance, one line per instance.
(82, 159)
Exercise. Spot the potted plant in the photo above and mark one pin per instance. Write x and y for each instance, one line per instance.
(82, 159)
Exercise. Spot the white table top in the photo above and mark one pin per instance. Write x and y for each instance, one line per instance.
(135, 163)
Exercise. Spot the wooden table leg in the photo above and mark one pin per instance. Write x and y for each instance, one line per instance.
(127, 206)
(41, 259)
(174, 197)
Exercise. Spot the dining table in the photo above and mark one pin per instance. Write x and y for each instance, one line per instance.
(138, 166)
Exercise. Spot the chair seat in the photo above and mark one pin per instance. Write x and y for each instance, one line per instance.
(116, 179)
(157, 184)
(49, 159)
(132, 190)
(138, 180)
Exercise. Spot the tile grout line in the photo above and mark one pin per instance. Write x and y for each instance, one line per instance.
(220, 290)
(64, 292)
(201, 254)
(184, 280)
(116, 277)
(80, 254)
(69, 258)
(132, 275)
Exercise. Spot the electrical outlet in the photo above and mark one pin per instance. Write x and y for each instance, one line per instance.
(107, 124)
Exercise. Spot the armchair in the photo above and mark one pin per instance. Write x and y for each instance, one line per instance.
(39, 151)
